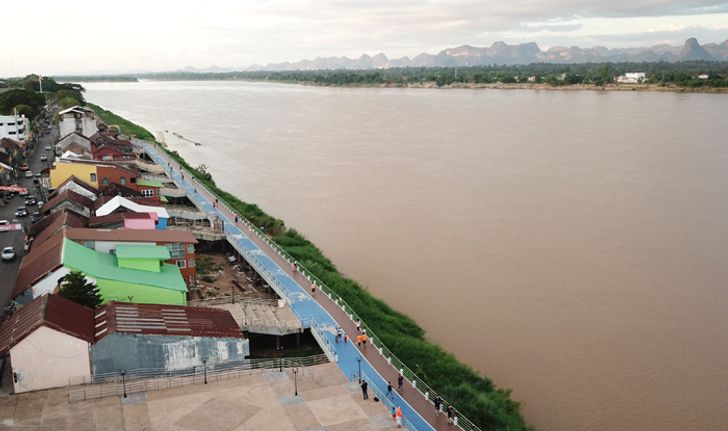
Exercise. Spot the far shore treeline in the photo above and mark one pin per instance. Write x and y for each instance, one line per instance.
(472, 394)
(695, 75)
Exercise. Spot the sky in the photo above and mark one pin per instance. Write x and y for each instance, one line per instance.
(105, 36)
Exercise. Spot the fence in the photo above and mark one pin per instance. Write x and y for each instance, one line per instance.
(425, 390)
(143, 380)
(386, 400)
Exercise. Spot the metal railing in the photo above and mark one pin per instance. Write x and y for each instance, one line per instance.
(148, 379)
(425, 390)
(386, 400)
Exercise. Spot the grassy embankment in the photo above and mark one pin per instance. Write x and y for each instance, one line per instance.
(473, 395)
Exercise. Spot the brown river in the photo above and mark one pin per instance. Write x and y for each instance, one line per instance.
(571, 245)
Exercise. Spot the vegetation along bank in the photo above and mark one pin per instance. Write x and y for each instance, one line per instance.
(472, 394)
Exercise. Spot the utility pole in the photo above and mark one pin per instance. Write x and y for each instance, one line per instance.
(40, 83)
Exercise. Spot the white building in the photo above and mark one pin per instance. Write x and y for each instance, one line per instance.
(14, 127)
(79, 120)
(631, 78)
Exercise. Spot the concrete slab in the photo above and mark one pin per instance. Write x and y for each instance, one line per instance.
(336, 410)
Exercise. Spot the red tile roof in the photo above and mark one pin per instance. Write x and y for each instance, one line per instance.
(157, 319)
(133, 235)
(53, 311)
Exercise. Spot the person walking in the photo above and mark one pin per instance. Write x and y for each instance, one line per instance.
(400, 382)
(365, 390)
(357, 323)
(389, 391)
(398, 416)
(438, 403)
(450, 415)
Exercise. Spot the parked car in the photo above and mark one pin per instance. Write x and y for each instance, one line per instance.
(4, 223)
(43, 158)
(48, 147)
(24, 167)
(23, 193)
(30, 200)
(28, 174)
(35, 217)
(8, 254)
(37, 175)
(21, 212)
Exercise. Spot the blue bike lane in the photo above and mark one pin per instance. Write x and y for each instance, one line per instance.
(305, 307)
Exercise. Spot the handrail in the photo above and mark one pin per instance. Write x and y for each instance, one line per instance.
(385, 400)
(420, 385)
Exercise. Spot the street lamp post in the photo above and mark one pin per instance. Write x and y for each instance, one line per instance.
(123, 382)
(358, 362)
(204, 369)
(295, 381)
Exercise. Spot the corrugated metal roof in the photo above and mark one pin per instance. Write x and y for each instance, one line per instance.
(130, 235)
(114, 218)
(157, 319)
(142, 251)
(52, 311)
(42, 259)
(67, 195)
(58, 220)
(104, 266)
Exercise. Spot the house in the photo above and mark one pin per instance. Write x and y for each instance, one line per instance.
(108, 174)
(129, 220)
(98, 175)
(78, 186)
(50, 224)
(109, 146)
(150, 189)
(164, 338)
(14, 127)
(631, 78)
(119, 203)
(76, 144)
(48, 342)
(77, 119)
(181, 245)
(68, 199)
(136, 274)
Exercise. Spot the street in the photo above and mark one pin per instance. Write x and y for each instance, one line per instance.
(16, 239)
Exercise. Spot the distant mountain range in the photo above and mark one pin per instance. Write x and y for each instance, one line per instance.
(501, 53)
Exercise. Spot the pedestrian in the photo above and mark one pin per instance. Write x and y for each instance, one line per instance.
(394, 413)
(236, 219)
(358, 341)
(437, 402)
(450, 414)
(389, 391)
(357, 323)
(365, 390)
(364, 339)
(346, 338)
(400, 382)
(398, 416)
(338, 334)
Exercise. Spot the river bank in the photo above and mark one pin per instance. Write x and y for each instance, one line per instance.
(472, 394)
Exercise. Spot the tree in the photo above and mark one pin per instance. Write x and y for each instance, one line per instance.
(23, 109)
(79, 290)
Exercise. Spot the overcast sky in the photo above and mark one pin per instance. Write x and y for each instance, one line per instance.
(83, 36)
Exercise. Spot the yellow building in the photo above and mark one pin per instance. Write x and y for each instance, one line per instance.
(63, 170)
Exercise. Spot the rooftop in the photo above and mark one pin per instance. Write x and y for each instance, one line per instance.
(164, 320)
(53, 311)
(120, 202)
(130, 235)
(105, 266)
(42, 259)
(149, 183)
(142, 251)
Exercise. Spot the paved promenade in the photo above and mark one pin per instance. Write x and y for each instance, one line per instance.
(319, 310)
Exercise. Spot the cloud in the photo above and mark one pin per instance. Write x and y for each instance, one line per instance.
(144, 35)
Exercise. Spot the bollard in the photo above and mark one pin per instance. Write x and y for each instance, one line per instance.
(381, 350)
(389, 360)
(427, 395)
(414, 384)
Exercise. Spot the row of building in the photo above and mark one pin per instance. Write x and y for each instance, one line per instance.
(105, 216)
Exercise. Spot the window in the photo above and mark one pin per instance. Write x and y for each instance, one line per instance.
(122, 181)
(93, 178)
(190, 248)
(89, 244)
(132, 180)
(105, 181)
(148, 193)
(176, 250)
(107, 157)
(181, 263)
(191, 263)
(11, 133)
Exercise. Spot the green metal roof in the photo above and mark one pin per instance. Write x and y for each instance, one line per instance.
(105, 266)
(142, 251)
(149, 183)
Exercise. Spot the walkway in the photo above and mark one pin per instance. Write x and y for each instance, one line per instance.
(295, 287)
